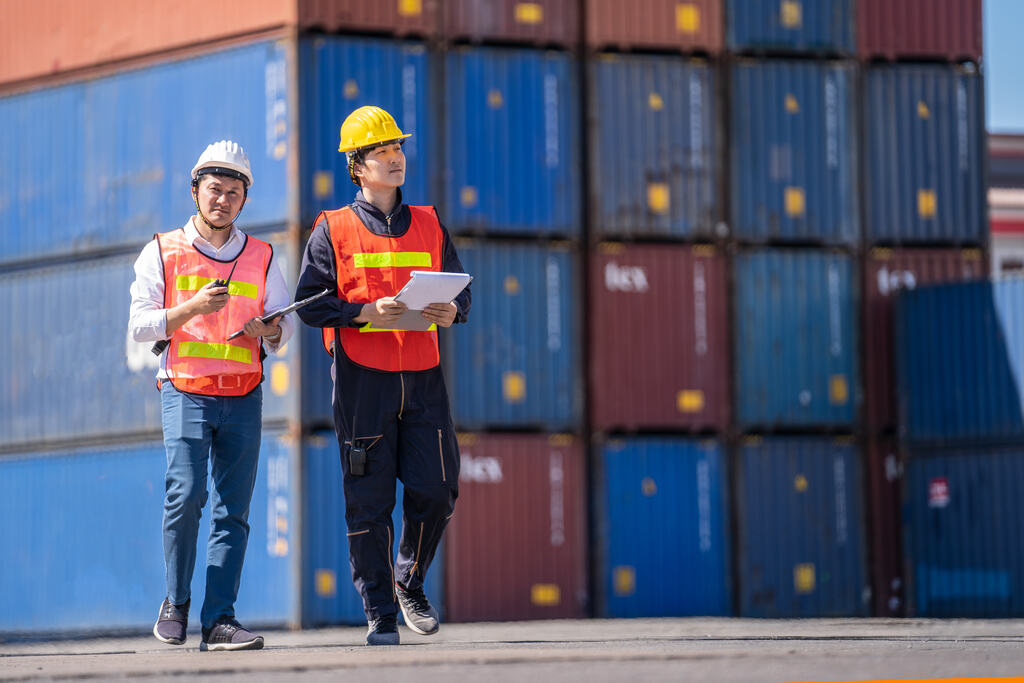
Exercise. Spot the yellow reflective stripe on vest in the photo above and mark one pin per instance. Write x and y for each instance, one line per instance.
(368, 327)
(393, 259)
(191, 349)
(189, 283)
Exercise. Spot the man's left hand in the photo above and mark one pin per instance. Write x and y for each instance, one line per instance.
(442, 315)
(257, 328)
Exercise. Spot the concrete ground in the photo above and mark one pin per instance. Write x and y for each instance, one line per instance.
(593, 651)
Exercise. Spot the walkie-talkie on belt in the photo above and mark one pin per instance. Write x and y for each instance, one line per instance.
(158, 347)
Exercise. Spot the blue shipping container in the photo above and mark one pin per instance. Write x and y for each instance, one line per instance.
(340, 74)
(655, 168)
(964, 521)
(791, 25)
(512, 136)
(663, 504)
(77, 374)
(800, 540)
(107, 162)
(83, 549)
(794, 170)
(960, 362)
(328, 594)
(925, 154)
(516, 362)
(796, 339)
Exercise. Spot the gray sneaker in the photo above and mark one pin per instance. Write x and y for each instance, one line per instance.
(228, 634)
(172, 623)
(419, 615)
(383, 631)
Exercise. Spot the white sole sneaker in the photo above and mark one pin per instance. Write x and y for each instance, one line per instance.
(169, 641)
(416, 629)
(256, 644)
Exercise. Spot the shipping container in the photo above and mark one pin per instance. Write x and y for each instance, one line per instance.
(960, 362)
(79, 375)
(794, 169)
(884, 478)
(808, 26)
(945, 29)
(105, 163)
(924, 156)
(800, 541)
(341, 74)
(517, 361)
(516, 544)
(887, 271)
(659, 340)
(83, 549)
(541, 22)
(328, 594)
(396, 17)
(521, 106)
(692, 26)
(796, 339)
(662, 528)
(654, 166)
(964, 517)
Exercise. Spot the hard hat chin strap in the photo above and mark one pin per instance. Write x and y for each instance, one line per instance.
(195, 198)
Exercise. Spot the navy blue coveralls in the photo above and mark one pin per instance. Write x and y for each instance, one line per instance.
(403, 421)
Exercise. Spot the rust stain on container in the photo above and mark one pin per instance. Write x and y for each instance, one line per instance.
(516, 545)
(949, 29)
(887, 271)
(659, 341)
(543, 22)
(687, 25)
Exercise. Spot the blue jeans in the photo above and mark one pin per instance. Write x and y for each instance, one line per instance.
(195, 426)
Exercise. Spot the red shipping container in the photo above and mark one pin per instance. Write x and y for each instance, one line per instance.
(543, 22)
(686, 25)
(394, 17)
(659, 340)
(885, 272)
(516, 545)
(885, 531)
(949, 29)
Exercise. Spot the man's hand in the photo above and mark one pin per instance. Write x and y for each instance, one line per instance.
(442, 315)
(210, 299)
(381, 313)
(257, 328)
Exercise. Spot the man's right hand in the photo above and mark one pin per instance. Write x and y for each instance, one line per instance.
(209, 299)
(381, 313)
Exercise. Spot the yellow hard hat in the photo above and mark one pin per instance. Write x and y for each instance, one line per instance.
(368, 126)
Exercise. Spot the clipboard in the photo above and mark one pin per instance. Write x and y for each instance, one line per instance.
(423, 288)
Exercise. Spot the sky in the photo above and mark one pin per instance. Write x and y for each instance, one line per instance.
(1003, 65)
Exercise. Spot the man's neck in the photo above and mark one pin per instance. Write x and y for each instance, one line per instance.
(383, 198)
(218, 238)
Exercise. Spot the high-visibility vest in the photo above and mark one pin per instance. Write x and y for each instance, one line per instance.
(372, 266)
(200, 360)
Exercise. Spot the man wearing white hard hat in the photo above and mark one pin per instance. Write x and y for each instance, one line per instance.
(193, 287)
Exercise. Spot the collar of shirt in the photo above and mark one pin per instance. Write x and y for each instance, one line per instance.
(227, 252)
(376, 220)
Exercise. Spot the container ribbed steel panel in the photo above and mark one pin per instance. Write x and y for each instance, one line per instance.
(949, 29)
(790, 25)
(800, 540)
(964, 517)
(925, 140)
(83, 549)
(886, 272)
(691, 26)
(796, 339)
(328, 594)
(883, 477)
(960, 356)
(662, 503)
(341, 74)
(659, 338)
(794, 174)
(517, 542)
(522, 107)
(516, 363)
(107, 162)
(654, 132)
(78, 375)
(397, 17)
(542, 22)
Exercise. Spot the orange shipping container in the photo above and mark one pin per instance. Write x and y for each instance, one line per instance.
(686, 25)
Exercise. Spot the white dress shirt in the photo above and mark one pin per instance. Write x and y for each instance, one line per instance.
(147, 321)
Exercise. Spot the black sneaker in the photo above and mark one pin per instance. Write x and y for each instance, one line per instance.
(419, 615)
(383, 631)
(228, 634)
(172, 623)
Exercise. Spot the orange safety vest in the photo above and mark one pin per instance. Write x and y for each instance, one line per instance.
(200, 360)
(372, 266)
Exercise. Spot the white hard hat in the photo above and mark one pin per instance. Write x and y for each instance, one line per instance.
(224, 158)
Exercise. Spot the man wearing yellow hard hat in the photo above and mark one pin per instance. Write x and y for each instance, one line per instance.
(391, 409)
